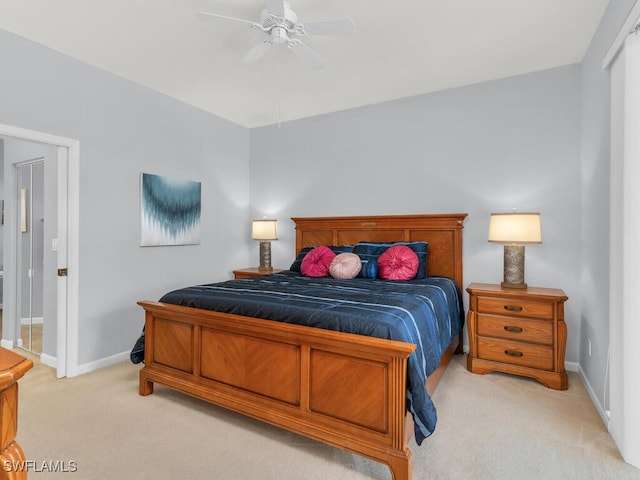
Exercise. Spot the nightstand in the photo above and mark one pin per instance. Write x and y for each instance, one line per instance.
(518, 331)
(252, 272)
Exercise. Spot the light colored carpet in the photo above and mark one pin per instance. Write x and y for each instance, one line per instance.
(490, 427)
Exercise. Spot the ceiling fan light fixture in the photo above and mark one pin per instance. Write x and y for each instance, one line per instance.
(279, 35)
(280, 24)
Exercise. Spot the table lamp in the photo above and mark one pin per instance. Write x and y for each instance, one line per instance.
(514, 231)
(265, 231)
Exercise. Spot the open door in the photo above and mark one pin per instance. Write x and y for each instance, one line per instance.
(66, 247)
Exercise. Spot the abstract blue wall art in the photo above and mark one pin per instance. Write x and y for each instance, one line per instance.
(169, 211)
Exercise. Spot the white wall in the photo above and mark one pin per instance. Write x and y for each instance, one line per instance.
(512, 143)
(595, 160)
(123, 130)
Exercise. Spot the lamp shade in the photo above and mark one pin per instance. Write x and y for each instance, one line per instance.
(515, 228)
(264, 230)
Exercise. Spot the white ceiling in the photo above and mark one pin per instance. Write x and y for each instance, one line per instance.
(399, 48)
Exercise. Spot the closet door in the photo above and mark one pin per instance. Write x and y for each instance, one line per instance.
(30, 252)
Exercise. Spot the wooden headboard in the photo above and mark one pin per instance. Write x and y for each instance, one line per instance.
(443, 232)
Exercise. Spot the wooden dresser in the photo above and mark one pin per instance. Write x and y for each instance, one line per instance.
(518, 331)
(12, 368)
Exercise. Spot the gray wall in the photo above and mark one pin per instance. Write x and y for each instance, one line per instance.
(594, 277)
(512, 143)
(125, 129)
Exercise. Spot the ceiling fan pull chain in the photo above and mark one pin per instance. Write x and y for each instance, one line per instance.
(278, 88)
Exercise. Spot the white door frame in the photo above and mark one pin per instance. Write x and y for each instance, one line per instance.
(68, 242)
(623, 61)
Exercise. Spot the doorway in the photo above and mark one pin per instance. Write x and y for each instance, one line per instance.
(66, 245)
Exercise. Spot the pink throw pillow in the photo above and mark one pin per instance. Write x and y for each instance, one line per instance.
(345, 266)
(398, 263)
(316, 263)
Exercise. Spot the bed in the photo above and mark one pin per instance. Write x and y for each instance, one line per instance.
(344, 389)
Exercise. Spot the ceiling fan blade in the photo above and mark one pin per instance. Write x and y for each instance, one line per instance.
(304, 53)
(222, 20)
(256, 52)
(275, 7)
(341, 26)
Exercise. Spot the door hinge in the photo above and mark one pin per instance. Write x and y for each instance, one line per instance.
(62, 272)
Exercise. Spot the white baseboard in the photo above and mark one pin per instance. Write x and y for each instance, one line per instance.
(32, 321)
(572, 367)
(604, 415)
(6, 344)
(98, 364)
(49, 360)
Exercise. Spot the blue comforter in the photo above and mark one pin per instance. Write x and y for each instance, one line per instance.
(427, 313)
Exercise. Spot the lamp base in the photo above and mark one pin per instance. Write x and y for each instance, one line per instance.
(265, 257)
(513, 267)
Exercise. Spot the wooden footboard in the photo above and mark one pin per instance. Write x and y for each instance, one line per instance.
(344, 390)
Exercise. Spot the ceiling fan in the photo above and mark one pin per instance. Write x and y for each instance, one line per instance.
(280, 26)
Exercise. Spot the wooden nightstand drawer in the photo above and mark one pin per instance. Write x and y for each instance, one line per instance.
(515, 307)
(519, 329)
(515, 353)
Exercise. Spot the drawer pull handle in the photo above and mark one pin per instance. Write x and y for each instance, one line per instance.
(513, 353)
(509, 328)
(513, 308)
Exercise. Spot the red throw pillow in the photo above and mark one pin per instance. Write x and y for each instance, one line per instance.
(316, 263)
(398, 263)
